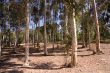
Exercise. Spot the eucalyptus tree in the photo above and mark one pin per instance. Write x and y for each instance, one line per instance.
(71, 6)
(97, 29)
(45, 31)
(27, 13)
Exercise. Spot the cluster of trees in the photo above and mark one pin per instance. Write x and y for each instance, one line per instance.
(64, 21)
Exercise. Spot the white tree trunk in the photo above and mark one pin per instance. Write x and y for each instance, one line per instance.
(27, 36)
(97, 28)
(74, 41)
(45, 32)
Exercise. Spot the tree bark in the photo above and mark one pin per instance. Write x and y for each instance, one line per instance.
(27, 36)
(97, 29)
(53, 40)
(33, 35)
(0, 41)
(74, 41)
(38, 41)
(83, 31)
(16, 40)
(45, 32)
(66, 33)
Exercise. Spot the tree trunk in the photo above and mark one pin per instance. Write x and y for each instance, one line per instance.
(27, 36)
(89, 37)
(97, 29)
(0, 41)
(38, 41)
(45, 32)
(16, 40)
(66, 24)
(83, 31)
(33, 35)
(74, 41)
(53, 41)
(38, 33)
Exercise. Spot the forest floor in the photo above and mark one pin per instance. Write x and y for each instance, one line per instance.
(87, 63)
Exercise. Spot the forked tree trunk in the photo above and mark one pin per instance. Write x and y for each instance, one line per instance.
(74, 41)
(27, 35)
(45, 32)
(97, 29)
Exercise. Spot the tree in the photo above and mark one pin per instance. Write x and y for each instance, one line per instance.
(71, 6)
(97, 29)
(74, 41)
(0, 40)
(45, 32)
(27, 35)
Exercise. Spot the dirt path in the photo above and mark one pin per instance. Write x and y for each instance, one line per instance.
(87, 63)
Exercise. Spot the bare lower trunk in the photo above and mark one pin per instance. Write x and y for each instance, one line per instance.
(27, 36)
(33, 35)
(9, 38)
(89, 38)
(97, 29)
(66, 24)
(45, 33)
(16, 40)
(38, 35)
(74, 41)
(0, 42)
(53, 41)
(83, 31)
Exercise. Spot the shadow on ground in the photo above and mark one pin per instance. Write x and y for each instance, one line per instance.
(13, 71)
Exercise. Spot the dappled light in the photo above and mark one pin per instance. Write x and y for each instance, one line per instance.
(54, 36)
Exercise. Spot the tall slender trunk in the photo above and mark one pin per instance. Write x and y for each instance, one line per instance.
(52, 32)
(66, 24)
(16, 40)
(83, 31)
(9, 25)
(74, 41)
(65, 29)
(33, 35)
(0, 41)
(27, 35)
(38, 30)
(89, 37)
(97, 29)
(45, 32)
(38, 35)
(53, 40)
(89, 28)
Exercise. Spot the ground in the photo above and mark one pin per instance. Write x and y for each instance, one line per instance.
(54, 63)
